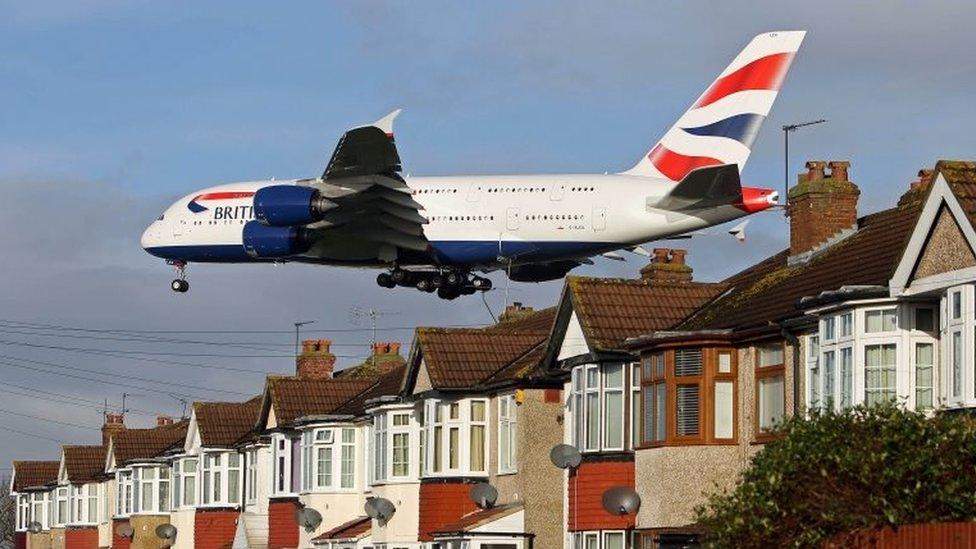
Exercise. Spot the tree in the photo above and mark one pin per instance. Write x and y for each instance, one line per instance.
(834, 473)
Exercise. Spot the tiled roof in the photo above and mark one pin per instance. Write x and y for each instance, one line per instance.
(84, 463)
(528, 366)
(389, 383)
(478, 518)
(28, 474)
(610, 310)
(771, 290)
(461, 358)
(137, 444)
(222, 424)
(293, 398)
(356, 528)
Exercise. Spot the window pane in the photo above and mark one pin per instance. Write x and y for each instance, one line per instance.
(830, 363)
(592, 421)
(477, 410)
(846, 376)
(190, 491)
(687, 362)
(348, 465)
(956, 305)
(770, 355)
(846, 324)
(164, 496)
(688, 408)
(827, 331)
(454, 442)
(956, 364)
(725, 362)
(437, 448)
(885, 320)
(923, 375)
(613, 540)
(401, 448)
(647, 400)
(324, 459)
(925, 319)
(477, 450)
(659, 365)
(723, 409)
(879, 374)
(771, 399)
(613, 420)
(233, 485)
(613, 377)
(660, 411)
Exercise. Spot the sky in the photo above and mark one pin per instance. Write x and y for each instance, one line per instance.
(110, 110)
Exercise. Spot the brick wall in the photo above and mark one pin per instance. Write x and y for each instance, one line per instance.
(118, 542)
(587, 483)
(442, 502)
(821, 205)
(214, 529)
(81, 538)
(282, 525)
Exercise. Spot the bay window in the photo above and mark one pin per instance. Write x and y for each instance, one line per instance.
(39, 505)
(770, 386)
(123, 492)
(391, 454)
(328, 458)
(221, 478)
(150, 489)
(185, 482)
(879, 373)
(507, 434)
(281, 465)
(61, 505)
(251, 466)
(401, 444)
(457, 436)
(602, 397)
(689, 395)
(23, 512)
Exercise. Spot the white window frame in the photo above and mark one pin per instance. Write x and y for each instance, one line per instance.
(400, 431)
(328, 441)
(438, 415)
(158, 480)
(123, 494)
(39, 505)
(23, 512)
(62, 513)
(281, 482)
(814, 381)
(507, 432)
(583, 389)
(216, 470)
(251, 476)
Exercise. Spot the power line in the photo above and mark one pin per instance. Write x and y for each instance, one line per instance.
(79, 402)
(26, 434)
(248, 332)
(66, 424)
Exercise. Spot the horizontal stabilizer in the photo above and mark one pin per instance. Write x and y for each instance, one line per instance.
(704, 188)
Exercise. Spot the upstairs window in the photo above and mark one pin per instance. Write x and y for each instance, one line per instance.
(770, 387)
(61, 516)
(507, 434)
(880, 321)
(394, 433)
(185, 482)
(251, 468)
(123, 504)
(602, 405)
(456, 435)
(281, 465)
(150, 489)
(221, 478)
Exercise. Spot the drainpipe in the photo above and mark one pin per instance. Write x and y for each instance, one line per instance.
(795, 343)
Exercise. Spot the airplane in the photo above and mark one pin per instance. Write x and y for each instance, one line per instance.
(442, 233)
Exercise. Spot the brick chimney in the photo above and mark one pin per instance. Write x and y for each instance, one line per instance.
(515, 311)
(917, 189)
(163, 421)
(114, 424)
(821, 206)
(667, 265)
(315, 362)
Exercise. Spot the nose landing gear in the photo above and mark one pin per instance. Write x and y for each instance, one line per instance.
(179, 285)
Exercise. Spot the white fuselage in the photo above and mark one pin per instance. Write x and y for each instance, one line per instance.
(473, 221)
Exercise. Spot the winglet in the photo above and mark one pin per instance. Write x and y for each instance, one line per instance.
(386, 123)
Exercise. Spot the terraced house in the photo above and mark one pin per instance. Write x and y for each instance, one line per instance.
(663, 385)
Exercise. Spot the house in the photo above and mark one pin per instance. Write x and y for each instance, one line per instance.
(481, 410)
(139, 495)
(314, 424)
(78, 497)
(31, 486)
(858, 310)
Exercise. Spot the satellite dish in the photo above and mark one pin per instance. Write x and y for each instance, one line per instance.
(621, 500)
(484, 495)
(124, 531)
(565, 456)
(308, 518)
(35, 527)
(167, 533)
(380, 509)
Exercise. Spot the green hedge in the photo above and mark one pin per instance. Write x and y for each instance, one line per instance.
(834, 473)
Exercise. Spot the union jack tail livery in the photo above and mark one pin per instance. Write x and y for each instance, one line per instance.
(722, 124)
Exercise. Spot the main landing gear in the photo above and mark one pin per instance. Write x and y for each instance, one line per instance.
(449, 284)
(179, 285)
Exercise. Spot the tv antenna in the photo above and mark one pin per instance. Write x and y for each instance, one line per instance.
(787, 130)
(182, 401)
(298, 330)
(358, 315)
(125, 396)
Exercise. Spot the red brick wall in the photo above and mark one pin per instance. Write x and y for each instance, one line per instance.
(586, 486)
(282, 525)
(214, 529)
(945, 535)
(441, 503)
(118, 542)
(20, 540)
(81, 538)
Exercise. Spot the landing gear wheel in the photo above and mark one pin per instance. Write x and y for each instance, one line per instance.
(447, 293)
(483, 284)
(180, 286)
(399, 276)
(454, 278)
(385, 280)
(425, 285)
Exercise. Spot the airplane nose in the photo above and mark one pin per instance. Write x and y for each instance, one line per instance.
(148, 237)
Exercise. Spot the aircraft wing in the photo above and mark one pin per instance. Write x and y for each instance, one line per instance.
(374, 207)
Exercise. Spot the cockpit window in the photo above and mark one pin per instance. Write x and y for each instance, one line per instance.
(161, 216)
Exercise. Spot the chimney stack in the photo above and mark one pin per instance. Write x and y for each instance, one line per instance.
(916, 189)
(515, 311)
(821, 206)
(163, 421)
(667, 265)
(315, 362)
(114, 424)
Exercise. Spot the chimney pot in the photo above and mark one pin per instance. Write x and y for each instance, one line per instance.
(667, 265)
(394, 347)
(162, 421)
(114, 424)
(660, 255)
(315, 362)
(678, 256)
(815, 170)
(308, 345)
(838, 169)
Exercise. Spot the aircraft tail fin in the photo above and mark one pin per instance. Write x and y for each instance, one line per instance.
(722, 124)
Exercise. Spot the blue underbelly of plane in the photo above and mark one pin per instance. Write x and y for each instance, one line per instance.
(445, 252)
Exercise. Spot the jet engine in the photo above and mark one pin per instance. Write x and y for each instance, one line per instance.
(541, 272)
(261, 241)
(289, 205)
